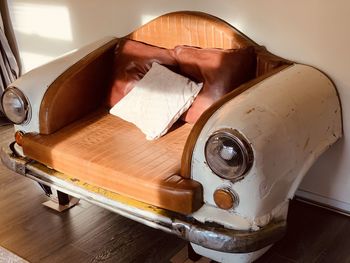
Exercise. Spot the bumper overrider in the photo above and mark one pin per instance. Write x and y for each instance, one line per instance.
(208, 235)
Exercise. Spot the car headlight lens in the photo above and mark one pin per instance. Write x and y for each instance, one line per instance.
(15, 105)
(228, 154)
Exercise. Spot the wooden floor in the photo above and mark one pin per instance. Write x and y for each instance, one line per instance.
(88, 233)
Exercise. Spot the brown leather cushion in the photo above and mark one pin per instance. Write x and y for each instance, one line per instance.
(220, 70)
(108, 152)
(132, 60)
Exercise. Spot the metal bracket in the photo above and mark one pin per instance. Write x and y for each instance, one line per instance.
(59, 201)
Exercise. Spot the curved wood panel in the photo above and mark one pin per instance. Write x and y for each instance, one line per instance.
(193, 29)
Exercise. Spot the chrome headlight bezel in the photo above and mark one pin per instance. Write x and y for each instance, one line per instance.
(221, 166)
(23, 101)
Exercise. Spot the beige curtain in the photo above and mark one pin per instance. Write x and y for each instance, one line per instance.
(9, 68)
(8, 65)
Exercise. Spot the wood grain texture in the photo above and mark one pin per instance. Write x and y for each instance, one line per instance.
(108, 152)
(314, 235)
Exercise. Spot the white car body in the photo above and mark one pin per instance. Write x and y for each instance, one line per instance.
(289, 119)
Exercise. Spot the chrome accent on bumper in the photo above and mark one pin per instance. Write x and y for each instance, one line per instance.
(209, 235)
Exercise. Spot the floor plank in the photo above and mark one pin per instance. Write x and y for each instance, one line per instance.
(339, 250)
(311, 233)
(67, 253)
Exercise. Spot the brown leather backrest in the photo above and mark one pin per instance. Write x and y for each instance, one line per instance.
(202, 30)
(192, 29)
(74, 93)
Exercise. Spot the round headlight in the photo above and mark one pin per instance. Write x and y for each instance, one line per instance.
(228, 154)
(15, 105)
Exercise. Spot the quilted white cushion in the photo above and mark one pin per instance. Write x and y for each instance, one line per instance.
(157, 101)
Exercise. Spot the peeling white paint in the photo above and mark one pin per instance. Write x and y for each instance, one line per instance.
(209, 213)
(290, 119)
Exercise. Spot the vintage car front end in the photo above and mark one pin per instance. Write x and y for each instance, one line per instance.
(245, 156)
(281, 125)
(249, 155)
(206, 234)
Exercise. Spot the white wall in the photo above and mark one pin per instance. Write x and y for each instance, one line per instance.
(315, 32)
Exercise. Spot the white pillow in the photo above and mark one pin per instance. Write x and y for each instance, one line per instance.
(157, 101)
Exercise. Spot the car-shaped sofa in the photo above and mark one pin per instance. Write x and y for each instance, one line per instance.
(222, 177)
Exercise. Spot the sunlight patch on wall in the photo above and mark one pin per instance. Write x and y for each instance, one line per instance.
(49, 21)
(33, 60)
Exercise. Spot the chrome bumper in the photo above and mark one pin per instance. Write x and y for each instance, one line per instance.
(209, 235)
